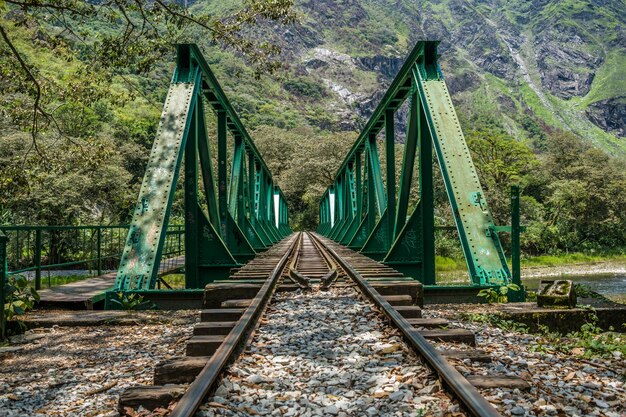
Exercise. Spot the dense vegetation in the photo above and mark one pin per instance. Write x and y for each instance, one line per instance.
(84, 160)
(573, 194)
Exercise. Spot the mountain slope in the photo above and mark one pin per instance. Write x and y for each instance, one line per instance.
(540, 65)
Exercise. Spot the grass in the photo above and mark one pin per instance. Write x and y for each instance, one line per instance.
(446, 265)
(55, 281)
(570, 259)
(609, 79)
(176, 281)
(533, 101)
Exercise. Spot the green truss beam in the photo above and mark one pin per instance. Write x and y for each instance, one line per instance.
(236, 215)
(384, 229)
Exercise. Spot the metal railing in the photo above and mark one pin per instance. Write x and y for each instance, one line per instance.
(92, 249)
(173, 249)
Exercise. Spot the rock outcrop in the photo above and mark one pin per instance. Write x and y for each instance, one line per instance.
(356, 48)
(609, 115)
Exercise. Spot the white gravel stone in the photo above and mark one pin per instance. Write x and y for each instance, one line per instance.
(80, 371)
(329, 354)
(561, 384)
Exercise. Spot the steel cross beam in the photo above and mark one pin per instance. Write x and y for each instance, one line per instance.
(236, 216)
(386, 230)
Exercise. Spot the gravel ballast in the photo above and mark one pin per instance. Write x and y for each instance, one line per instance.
(317, 353)
(327, 353)
(80, 371)
(561, 384)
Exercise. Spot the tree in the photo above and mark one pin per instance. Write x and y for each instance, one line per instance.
(586, 195)
(131, 36)
(304, 161)
(72, 186)
(501, 161)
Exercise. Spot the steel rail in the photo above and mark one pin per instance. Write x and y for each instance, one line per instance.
(327, 280)
(201, 386)
(327, 258)
(468, 395)
(298, 278)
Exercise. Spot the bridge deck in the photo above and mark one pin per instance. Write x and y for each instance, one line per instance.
(83, 294)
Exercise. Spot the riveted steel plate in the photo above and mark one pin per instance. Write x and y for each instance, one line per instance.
(474, 221)
(140, 259)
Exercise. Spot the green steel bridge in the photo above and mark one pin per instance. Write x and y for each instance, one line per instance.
(235, 210)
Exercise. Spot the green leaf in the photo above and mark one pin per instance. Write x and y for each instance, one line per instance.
(21, 283)
(35, 294)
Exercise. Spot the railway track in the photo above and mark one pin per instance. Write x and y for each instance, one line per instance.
(298, 290)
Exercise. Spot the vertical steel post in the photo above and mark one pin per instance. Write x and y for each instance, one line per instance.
(38, 259)
(269, 195)
(18, 248)
(329, 219)
(192, 277)
(221, 172)
(327, 213)
(241, 198)
(236, 176)
(359, 187)
(99, 251)
(426, 197)
(376, 177)
(390, 166)
(515, 236)
(371, 193)
(251, 185)
(256, 208)
(338, 202)
(353, 191)
(180, 250)
(206, 166)
(408, 162)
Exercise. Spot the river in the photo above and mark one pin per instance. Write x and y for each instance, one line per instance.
(612, 286)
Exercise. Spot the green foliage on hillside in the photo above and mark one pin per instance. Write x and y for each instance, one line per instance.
(304, 161)
(583, 192)
(609, 80)
(571, 200)
(95, 152)
(302, 118)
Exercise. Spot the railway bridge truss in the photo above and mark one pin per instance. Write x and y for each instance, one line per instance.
(371, 259)
(228, 218)
(233, 214)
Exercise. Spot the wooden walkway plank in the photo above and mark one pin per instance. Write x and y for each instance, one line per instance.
(86, 292)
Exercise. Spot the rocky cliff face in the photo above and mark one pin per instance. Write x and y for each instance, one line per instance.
(540, 63)
(610, 115)
(545, 55)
